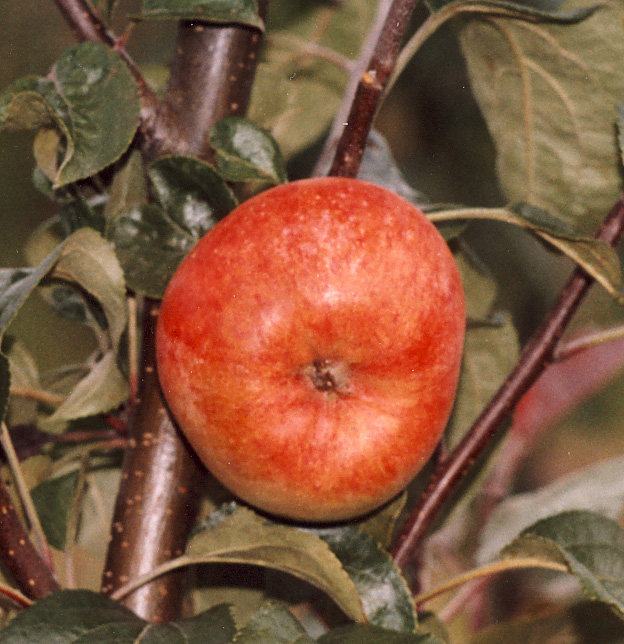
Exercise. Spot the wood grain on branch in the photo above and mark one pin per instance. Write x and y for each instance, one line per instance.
(535, 357)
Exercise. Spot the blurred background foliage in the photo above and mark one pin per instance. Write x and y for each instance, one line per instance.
(441, 143)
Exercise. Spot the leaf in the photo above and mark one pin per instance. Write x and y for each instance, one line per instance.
(243, 12)
(128, 187)
(479, 286)
(149, 247)
(592, 547)
(379, 167)
(71, 616)
(273, 623)
(244, 537)
(246, 152)
(599, 488)
(53, 500)
(86, 260)
(194, 196)
(89, 97)
(152, 240)
(548, 91)
(385, 595)
(490, 352)
(596, 257)
(67, 615)
(24, 374)
(369, 634)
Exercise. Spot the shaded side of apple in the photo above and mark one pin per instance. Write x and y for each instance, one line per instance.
(309, 347)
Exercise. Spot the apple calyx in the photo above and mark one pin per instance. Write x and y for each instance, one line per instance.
(328, 376)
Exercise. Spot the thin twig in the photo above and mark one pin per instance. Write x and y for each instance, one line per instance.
(39, 395)
(358, 68)
(24, 494)
(370, 90)
(535, 357)
(570, 348)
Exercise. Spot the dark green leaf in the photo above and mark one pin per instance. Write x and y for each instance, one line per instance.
(91, 99)
(273, 623)
(53, 500)
(368, 634)
(194, 196)
(128, 187)
(231, 11)
(592, 547)
(77, 214)
(386, 598)
(150, 246)
(246, 152)
(66, 616)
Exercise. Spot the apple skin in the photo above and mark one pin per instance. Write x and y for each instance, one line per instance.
(309, 347)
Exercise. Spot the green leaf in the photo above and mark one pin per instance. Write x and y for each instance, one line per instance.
(479, 286)
(24, 374)
(128, 187)
(53, 500)
(273, 623)
(90, 97)
(86, 261)
(599, 488)
(369, 634)
(243, 12)
(194, 196)
(71, 616)
(243, 537)
(590, 545)
(152, 240)
(67, 615)
(548, 90)
(596, 257)
(385, 595)
(150, 247)
(490, 352)
(246, 152)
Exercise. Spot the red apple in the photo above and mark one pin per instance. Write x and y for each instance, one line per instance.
(309, 347)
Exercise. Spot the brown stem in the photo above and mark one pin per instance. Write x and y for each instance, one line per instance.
(157, 500)
(370, 91)
(18, 555)
(535, 357)
(211, 78)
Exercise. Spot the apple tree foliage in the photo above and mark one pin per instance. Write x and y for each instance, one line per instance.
(547, 76)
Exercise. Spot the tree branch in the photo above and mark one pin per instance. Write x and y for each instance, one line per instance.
(535, 357)
(370, 90)
(18, 555)
(211, 78)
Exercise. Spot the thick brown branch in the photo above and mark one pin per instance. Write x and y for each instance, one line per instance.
(535, 357)
(18, 555)
(370, 91)
(211, 78)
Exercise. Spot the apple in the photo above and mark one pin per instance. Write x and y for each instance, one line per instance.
(309, 347)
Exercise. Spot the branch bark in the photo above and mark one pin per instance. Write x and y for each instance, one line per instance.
(18, 555)
(370, 90)
(535, 357)
(211, 78)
